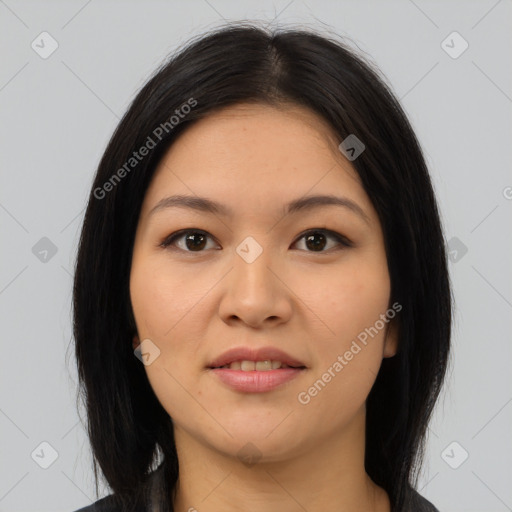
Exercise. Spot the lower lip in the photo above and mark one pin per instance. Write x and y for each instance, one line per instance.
(256, 381)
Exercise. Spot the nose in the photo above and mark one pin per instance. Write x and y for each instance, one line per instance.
(255, 291)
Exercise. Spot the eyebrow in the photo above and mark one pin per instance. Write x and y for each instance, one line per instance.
(203, 204)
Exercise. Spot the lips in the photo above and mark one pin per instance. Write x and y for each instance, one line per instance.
(239, 354)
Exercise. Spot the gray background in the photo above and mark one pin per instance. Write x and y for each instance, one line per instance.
(57, 115)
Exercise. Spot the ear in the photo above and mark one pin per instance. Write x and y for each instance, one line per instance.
(391, 338)
(135, 342)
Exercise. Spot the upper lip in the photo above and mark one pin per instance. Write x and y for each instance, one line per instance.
(255, 354)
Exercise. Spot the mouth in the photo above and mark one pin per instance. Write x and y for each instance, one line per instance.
(249, 370)
(262, 359)
(246, 365)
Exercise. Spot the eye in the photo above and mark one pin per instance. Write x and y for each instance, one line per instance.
(194, 240)
(315, 239)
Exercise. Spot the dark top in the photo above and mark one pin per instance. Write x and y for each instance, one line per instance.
(105, 505)
(419, 503)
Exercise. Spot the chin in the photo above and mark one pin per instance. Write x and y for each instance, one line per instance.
(250, 451)
(267, 432)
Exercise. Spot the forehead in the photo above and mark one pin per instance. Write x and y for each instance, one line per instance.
(254, 155)
(254, 132)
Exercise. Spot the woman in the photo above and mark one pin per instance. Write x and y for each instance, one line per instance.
(262, 307)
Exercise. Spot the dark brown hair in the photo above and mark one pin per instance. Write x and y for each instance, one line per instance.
(128, 428)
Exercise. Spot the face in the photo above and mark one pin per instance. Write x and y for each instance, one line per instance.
(312, 283)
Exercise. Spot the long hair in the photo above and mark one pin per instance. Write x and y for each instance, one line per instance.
(129, 430)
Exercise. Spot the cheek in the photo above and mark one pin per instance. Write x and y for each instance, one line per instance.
(350, 354)
(162, 298)
(170, 308)
(353, 299)
(348, 361)
(162, 302)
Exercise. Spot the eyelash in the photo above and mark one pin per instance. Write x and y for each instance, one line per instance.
(342, 240)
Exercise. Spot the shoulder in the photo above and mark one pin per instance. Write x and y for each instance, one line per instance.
(106, 504)
(111, 503)
(420, 504)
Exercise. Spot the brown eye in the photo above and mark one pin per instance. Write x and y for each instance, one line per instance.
(193, 240)
(316, 240)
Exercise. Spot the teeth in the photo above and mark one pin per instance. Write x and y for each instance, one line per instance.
(264, 365)
(248, 366)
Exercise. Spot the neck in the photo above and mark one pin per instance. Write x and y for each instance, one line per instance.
(325, 476)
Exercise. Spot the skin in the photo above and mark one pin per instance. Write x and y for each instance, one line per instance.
(196, 305)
